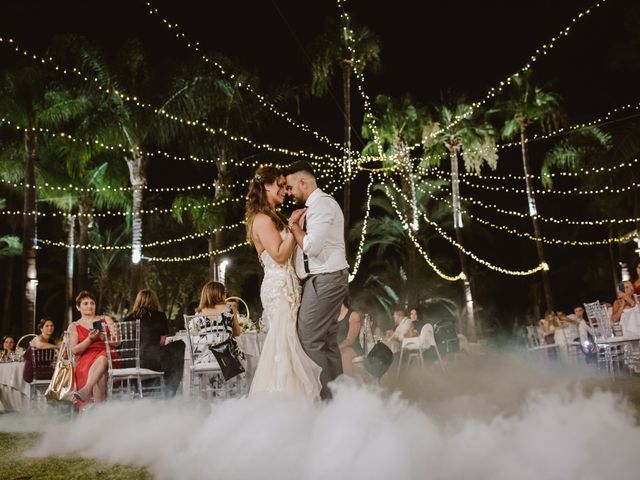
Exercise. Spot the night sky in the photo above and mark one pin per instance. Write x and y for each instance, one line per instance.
(431, 50)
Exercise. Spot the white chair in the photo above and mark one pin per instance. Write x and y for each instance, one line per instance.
(416, 346)
(125, 376)
(43, 361)
(205, 376)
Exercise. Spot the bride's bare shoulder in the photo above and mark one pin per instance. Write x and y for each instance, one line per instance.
(262, 220)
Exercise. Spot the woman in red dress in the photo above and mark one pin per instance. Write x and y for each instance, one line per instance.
(87, 344)
(635, 276)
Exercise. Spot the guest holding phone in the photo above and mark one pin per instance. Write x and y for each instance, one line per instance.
(86, 340)
(625, 309)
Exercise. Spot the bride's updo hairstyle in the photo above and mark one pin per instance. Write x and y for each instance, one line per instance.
(257, 198)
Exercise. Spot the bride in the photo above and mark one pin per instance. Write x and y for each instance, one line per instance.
(283, 366)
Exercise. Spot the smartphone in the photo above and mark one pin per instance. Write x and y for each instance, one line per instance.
(621, 287)
(97, 325)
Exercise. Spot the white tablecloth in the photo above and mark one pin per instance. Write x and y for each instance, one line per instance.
(14, 391)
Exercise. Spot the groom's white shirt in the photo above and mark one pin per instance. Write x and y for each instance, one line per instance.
(324, 239)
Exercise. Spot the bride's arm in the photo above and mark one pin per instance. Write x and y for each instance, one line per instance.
(277, 248)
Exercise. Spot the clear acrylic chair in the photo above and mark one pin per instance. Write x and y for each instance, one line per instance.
(43, 361)
(416, 346)
(126, 378)
(610, 355)
(205, 377)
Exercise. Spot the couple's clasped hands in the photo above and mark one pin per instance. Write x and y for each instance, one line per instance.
(297, 217)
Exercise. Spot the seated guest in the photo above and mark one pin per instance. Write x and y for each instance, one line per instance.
(87, 344)
(586, 334)
(625, 309)
(349, 324)
(212, 302)
(635, 276)
(154, 353)
(415, 321)
(8, 349)
(42, 341)
(549, 324)
(45, 338)
(567, 330)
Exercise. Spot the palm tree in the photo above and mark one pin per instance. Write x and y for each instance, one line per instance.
(525, 104)
(475, 139)
(98, 172)
(31, 100)
(350, 49)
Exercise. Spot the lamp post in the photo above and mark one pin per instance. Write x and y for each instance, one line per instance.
(222, 270)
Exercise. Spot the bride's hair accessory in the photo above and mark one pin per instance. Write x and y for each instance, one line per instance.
(257, 177)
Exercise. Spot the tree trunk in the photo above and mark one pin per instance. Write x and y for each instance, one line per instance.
(346, 81)
(137, 175)
(71, 225)
(7, 312)
(469, 309)
(84, 221)
(407, 186)
(612, 261)
(533, 212)
(213, 259)
(30, 272)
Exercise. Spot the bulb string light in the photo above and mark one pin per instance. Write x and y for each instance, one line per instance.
(323, 173)
(191, 236)
(512, 231)
(175, 29)
(486, 263)
(159, 111)
(570, 191)
(407, 228)
(539, 53)
(197, 256)
(511, 177)
(363, 235)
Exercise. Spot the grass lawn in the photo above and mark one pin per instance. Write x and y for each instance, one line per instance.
(14, 466)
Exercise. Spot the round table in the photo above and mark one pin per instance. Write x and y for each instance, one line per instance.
(14, 391)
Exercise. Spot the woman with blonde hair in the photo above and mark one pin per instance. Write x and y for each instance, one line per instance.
(284, 366)
(155, 353)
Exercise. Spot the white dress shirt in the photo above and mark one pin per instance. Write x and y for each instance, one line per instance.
(324, 239)
(402, 329)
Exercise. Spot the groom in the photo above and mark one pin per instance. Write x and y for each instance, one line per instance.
(322, 267)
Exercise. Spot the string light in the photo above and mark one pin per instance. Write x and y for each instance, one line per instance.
(159, 111)
(540, 52)
(158, 243)
(197, 256)
(244, 85)
(509, 177)
(430, 262)
(443, 234)
(356, 264)
(322, 173)
(551, 241)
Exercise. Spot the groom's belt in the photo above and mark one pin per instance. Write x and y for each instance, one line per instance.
(345, 270)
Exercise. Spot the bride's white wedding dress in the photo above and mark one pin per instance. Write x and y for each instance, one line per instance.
(283, 366)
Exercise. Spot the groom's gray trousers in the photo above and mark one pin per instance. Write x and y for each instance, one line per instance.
(322, 296)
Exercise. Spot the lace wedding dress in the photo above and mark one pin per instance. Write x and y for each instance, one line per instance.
(283, 366)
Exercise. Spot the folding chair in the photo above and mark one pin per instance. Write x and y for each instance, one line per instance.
(43, 361)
